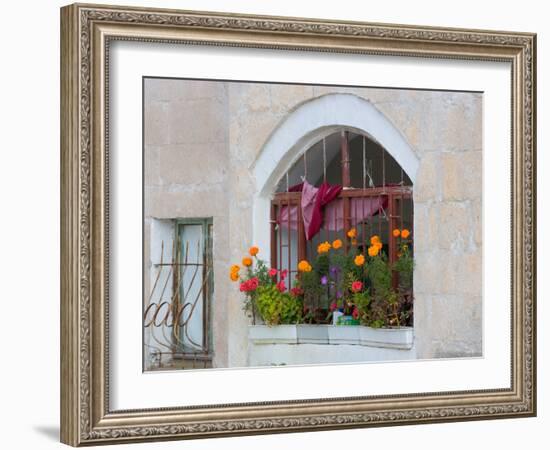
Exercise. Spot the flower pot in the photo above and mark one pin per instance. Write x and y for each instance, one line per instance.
(343, 334)
(276, 334)
(312, 334)
(398, 337)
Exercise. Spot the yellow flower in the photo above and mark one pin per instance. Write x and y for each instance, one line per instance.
(304, 266)
(337, 244)
(352, 233)
(247, 261)
(405, 233)
(253, 250)
(396, 232)
(373, 250)
(359, 260)
(324, 247)
(234, 276)
(235, 268)
(375, 239)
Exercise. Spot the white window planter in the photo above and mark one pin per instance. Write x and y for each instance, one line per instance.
(313, 334)
(343, 334)
(396, 338)
(277, 334)
(399, 337)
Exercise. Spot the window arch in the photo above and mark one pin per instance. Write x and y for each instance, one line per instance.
(345, 184)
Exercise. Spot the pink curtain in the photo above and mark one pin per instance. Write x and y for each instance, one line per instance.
(322, 209)
(360, 209)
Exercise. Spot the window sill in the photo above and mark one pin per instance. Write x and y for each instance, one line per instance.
(401, 338)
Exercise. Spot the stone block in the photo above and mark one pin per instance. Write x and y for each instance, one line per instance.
(194, 164)
(198, 121)
(456, 230)
(186, 203)
(156, 124)
(462, 175)
(169, 90)
(151, 168)
(285, 98)
(428, 178)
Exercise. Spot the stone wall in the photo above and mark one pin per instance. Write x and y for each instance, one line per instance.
(203, 138)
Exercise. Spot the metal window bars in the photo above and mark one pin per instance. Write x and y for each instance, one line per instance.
(394, 209)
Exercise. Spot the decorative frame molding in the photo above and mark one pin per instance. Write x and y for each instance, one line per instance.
(86, 31)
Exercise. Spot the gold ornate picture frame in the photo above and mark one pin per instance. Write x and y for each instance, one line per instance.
(87, 32)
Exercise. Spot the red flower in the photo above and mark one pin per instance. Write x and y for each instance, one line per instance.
(254, 283)
(284, 273)
(356, 286)
(249, 285)
(281, 286)
(333, 306)
(355, 313)
(272, 272)
(296, 291)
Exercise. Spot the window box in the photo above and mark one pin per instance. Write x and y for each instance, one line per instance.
(313, 334)
(398, 337)
(401, 338)
(277, 334)
(343, 334)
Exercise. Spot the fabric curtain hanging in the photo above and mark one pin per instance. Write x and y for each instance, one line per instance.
(322, 209)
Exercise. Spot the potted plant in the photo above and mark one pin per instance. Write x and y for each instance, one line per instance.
(267, 297)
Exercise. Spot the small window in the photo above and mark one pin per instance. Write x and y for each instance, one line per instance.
(193, 290)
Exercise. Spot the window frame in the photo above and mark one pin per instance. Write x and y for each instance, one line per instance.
(207, 231)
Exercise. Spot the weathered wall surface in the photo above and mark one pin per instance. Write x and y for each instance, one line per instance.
(205, 138)
(186, 174)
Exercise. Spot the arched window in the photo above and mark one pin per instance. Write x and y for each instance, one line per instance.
(347, 188)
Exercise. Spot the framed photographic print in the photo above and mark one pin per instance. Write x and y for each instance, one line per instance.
(277, 224)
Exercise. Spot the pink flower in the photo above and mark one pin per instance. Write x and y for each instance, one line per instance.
(272, 272)
(333, 306)
(296, 291)
(356, 286)
(249, 285)
(284, 273)
(355, 313)
(281, 286)
(254, 283)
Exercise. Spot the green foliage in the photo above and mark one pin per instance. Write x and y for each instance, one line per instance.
(276, 308)
(379, 274)
(321, 264)
(361, 300)
(404, 266)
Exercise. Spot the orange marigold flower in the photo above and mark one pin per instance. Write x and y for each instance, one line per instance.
(234, 276)
(304, 266)
(378, 245)
(324, 247)
(253, 250)
(373, 250)
(337, 244)
(235, 268)
(396, 232)
(405, 233)
(247, 261)
(354, 242)
(375, 239)
(352, 233)
(359, 260)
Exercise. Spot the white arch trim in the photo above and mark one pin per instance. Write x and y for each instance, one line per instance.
(306, 125)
